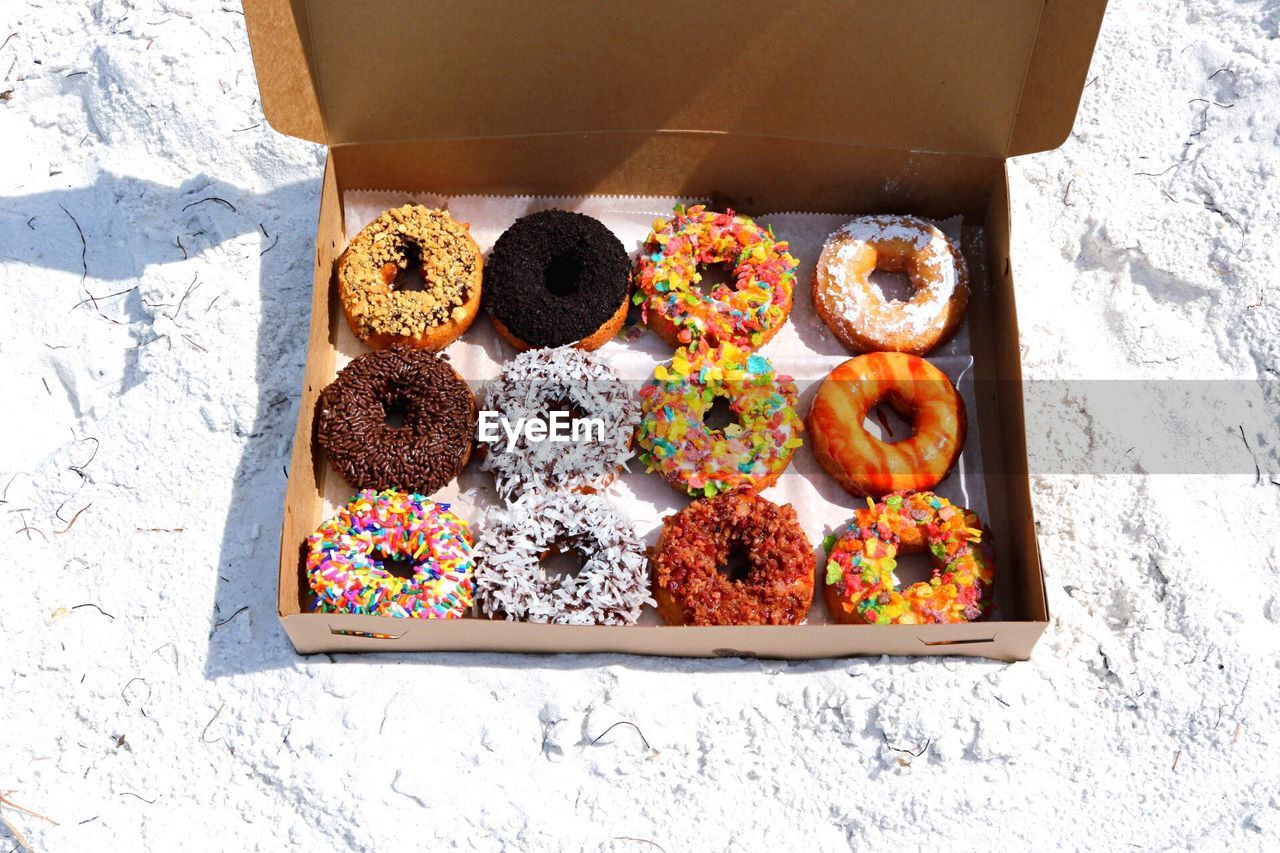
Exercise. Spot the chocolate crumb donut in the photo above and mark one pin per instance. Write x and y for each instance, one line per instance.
(422, 454)
(556, 278)
(418, 240)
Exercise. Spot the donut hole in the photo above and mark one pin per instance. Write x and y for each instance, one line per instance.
(562, 276)
(736, 564)
(561, 561)
(398, 565)
(912, 568)
(894, 283)
(407, 278)
(713, 276)
(720, 415)
(395, 412)
(886, 423)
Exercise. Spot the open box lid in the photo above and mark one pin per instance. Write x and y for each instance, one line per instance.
(986, 77)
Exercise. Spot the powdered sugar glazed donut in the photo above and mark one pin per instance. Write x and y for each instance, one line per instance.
(611, 587)
(565, 380)
(860, 315)
(866, 465)
(746, 314)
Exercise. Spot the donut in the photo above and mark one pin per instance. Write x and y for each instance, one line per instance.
(857, 311)
(866, 465)
(745, 315)
(532, 386)
(421, 455)
(701, 539)
(611, 587)
(419, 239)
(752, 451)
(347, 558)
(860, 587)
(556, 278)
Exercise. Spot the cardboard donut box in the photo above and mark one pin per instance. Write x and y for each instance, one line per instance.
(865, 107)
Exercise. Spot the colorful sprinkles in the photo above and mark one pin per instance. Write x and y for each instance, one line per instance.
(751, 451)
(745, 315)
(860, 563)
(345, 558)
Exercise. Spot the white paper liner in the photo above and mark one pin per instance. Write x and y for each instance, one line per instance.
(805, 349)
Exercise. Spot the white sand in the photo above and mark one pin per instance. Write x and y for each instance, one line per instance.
(159, 422)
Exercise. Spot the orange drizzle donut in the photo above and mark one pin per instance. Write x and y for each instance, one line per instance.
(698, 541)
(422, 240)
(866, 465)
(747, 314)
(856, 310)
(859, 585)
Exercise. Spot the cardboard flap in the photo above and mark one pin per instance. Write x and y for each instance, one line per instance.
(931, 75)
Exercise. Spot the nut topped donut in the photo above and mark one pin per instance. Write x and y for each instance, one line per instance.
(556, 278)
(860, 586)
(855, 308)
(746, 314)
(353, 421)
(417, 240)
(866, 465)
(700, 540)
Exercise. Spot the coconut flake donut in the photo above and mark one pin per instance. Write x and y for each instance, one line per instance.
(346, 558)
(866, 465)
(556, 278)
(422, 240)
(611, 587)
(700, 540)
(860, 587)
(752, 451)
(856, 310)
(532, 386)
(746, 314)
(424, 453)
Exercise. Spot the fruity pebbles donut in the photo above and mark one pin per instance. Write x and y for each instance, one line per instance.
(747, 314)
(859, 584)
(752, 451)
(568, 387)
(415, 239)
(700, 540)
(347, 556)
(856, 309)
(609, 589)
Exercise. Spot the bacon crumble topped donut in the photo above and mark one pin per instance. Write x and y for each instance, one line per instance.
(556, 278)
(754, 450)
(747, 314)
(347, 556)
(866, 465)
(568, 381)
(421, 455)
(700, 540)
(417, 239)
(857, 311)
(609, 589)
(860, 586)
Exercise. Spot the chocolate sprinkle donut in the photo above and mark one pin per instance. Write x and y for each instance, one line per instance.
(421, 455)
(555, 277)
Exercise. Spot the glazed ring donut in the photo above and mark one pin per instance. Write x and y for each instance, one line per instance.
(611, 587)
(440, 249)
(346, 558)
(866, 465)
(860, 587)
(532, 386)
(860, 315)
(745, 315)
(698, 541)
(752, 451)
(424, 453)
(556, 278)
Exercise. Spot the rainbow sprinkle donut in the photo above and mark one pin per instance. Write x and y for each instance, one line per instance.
(344, 558)
(860, 587)
(745, 315)
(752, 451)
